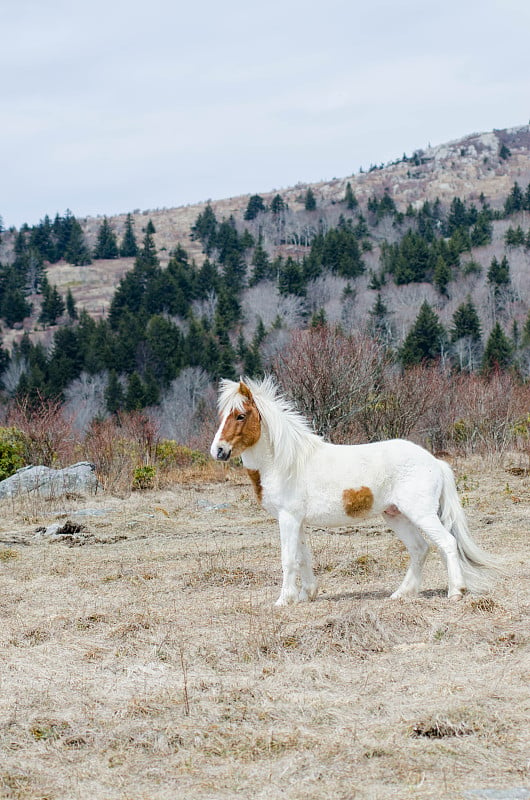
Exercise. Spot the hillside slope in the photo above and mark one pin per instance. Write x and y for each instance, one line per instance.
(466, 168)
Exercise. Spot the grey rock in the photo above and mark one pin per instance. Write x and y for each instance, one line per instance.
(50, 483)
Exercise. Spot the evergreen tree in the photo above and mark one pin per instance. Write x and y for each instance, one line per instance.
(482, 231)
(114, 395)
(466, 322)
(205, 229)
(71, 309)
(76, 250)
(499, 273)
(425, 339)
(290, 278)
(349, 198)
(13, 305)
(66, 361)
(310, 202)
(254, 207)
(514, 237)
(498, 352)
(515, 200)
(52, 304)
(135, 394)
(278, 204)
(128, 247)
(107, 244)
(261, 265)
(442, 275)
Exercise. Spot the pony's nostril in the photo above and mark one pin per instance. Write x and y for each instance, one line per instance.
(222, 454)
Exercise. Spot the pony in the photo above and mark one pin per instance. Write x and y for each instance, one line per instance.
(300, 479)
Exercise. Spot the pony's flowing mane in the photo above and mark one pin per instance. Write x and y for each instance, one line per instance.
(290, 434)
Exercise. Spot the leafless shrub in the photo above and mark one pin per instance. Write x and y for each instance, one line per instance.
(330, 376)
(51, 439)
(489, 412)
(118, 446)
(401, 402)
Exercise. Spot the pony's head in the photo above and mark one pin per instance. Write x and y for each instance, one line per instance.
(240, 426)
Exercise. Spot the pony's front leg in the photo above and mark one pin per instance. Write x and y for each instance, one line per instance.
(309, 583)
(290, 539)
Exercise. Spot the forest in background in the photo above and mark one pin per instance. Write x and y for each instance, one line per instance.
(431, 295)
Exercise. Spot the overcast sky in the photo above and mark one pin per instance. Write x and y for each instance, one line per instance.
(109, 106)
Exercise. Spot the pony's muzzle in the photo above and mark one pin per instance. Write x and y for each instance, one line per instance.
(222, 452)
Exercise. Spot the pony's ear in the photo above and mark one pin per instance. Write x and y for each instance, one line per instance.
(244, 390)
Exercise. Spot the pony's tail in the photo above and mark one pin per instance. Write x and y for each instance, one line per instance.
(480, 569)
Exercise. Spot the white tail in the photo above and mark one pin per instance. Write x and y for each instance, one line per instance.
(480, 568)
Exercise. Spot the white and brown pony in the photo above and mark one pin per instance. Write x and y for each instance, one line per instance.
(299, 478)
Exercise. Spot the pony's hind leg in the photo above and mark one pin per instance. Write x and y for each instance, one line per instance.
(417, 548)
(432, 527)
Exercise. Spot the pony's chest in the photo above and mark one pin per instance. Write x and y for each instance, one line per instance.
(269, 491)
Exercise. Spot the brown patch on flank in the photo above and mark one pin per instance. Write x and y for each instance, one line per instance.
(255, 477)
(357, 501)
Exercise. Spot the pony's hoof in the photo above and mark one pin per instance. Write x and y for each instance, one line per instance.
(286, 600)
(401, 594)
(308, 593)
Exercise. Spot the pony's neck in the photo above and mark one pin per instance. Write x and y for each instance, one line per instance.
(284, 456)
(260, 456)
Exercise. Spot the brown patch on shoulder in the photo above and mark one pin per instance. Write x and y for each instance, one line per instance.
(357, 501)
(255, 477)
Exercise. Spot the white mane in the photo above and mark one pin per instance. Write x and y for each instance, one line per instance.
(290, 435)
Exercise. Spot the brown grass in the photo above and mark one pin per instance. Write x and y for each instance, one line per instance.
(146, 658)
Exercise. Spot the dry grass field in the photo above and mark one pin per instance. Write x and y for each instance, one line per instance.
(142, 657)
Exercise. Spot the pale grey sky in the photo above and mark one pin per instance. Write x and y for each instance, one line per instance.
(108, 106)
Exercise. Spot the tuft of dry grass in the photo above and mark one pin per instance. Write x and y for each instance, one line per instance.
(151, 661)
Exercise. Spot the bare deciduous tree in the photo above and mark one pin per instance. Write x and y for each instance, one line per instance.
(179, 413)
(330, 376)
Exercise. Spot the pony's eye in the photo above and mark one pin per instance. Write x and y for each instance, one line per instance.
(240, 417)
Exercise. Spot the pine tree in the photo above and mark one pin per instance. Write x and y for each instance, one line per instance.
(76, 250)
(13, 305)
(114, 395)
(52, 304)
(290, 278)
(261, 265)
(254, 207)
(466, 322)
(310, 202)
(107, 244)
(135, 394)
(515, 200)
(498, 352)
(499, 273)
(71, 309)
(425, 339)
(349, 198)
(128, 247)
(442, 275)
(278, 204)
